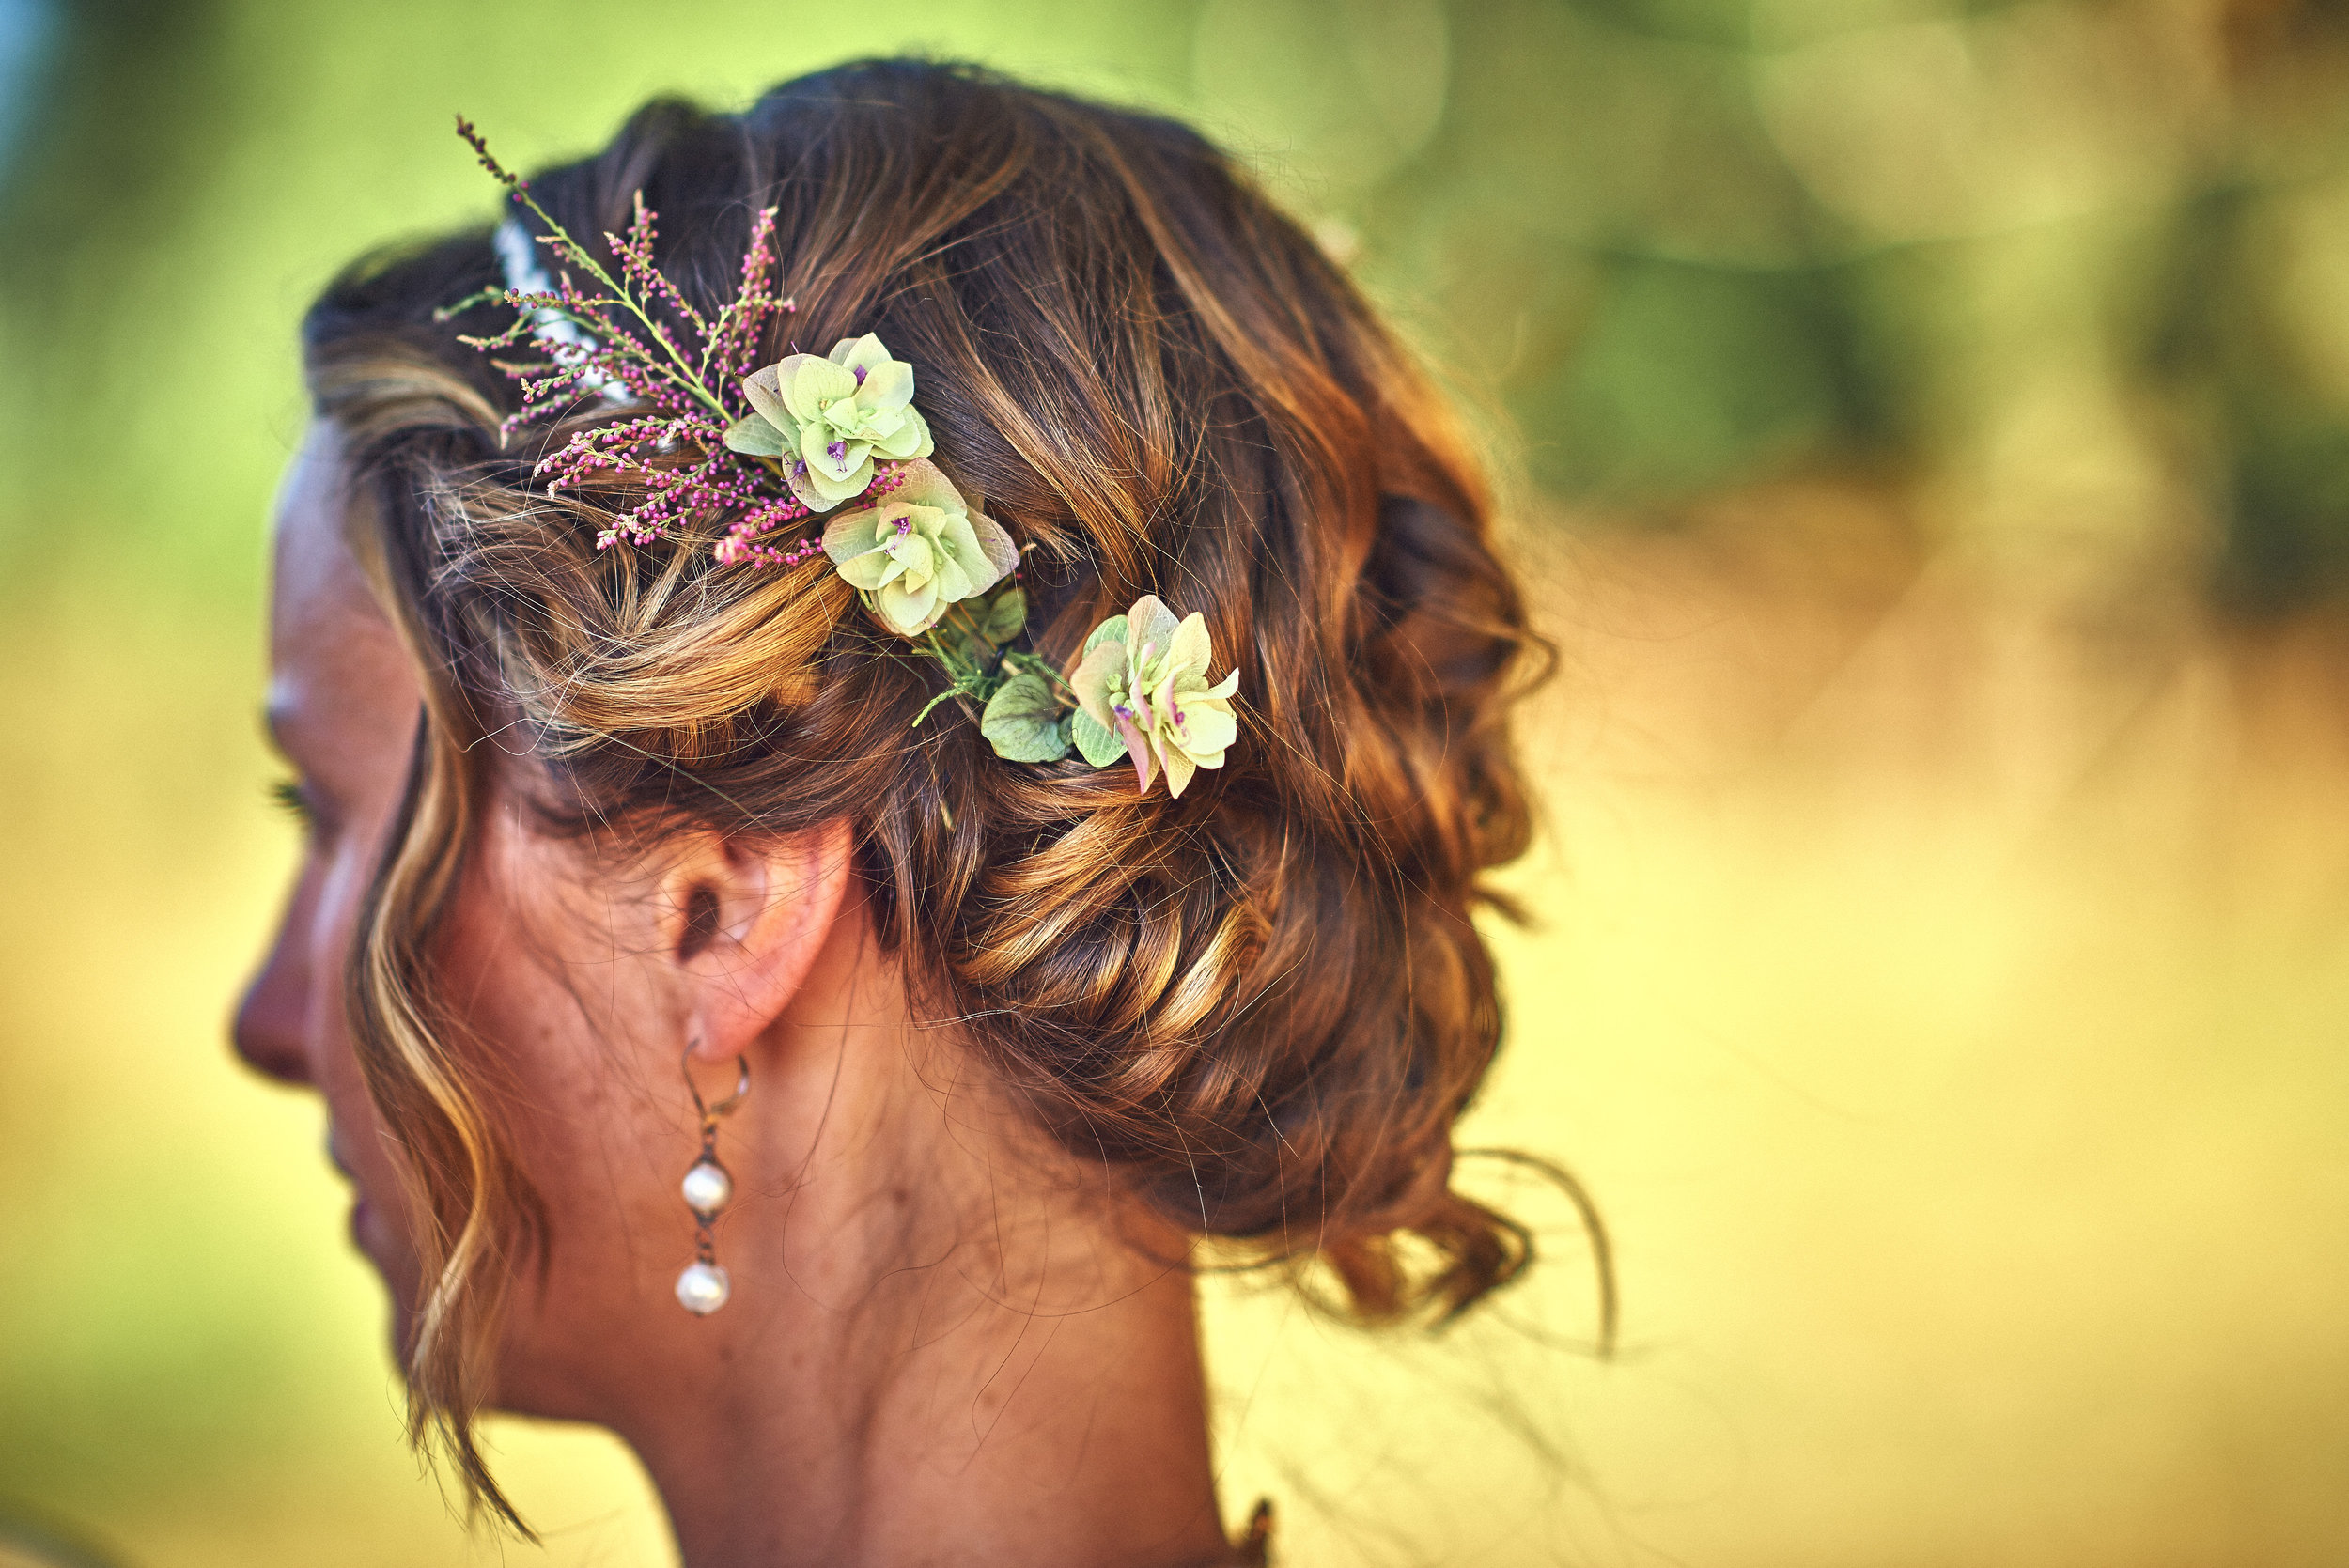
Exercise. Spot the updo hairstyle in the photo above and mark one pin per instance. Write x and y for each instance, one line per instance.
(1264, 1004)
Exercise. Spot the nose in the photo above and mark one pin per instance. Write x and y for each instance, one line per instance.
(271, 1019)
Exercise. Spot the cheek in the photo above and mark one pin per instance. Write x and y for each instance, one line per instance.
(334, 1059)
(550, 976)
(380, 1221)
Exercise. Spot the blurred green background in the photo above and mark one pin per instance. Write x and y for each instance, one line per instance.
(1929, 423)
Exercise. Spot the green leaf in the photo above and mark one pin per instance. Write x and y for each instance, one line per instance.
(1101, 745)
(753, 436)
(1111, 630)
(1023, 722)
(1006, 615)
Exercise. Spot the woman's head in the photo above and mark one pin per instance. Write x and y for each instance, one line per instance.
(652, 799)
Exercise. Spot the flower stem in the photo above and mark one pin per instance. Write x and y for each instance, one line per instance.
(573, 248)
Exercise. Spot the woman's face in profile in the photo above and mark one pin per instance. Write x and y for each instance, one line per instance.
(342, 711)
(557, 966)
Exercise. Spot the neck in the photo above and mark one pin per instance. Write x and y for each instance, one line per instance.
(946, 1344)
(949, 1430)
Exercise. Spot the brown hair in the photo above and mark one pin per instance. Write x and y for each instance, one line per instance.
(1265, 1004)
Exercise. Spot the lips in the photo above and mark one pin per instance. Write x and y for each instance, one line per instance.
(360, 1214)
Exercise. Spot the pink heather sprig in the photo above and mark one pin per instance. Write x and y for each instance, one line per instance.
(743, 541)
(676, 449)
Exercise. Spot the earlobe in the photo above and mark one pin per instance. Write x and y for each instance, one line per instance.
(747, 922)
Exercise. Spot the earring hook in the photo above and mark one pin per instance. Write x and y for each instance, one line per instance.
(709, 1113)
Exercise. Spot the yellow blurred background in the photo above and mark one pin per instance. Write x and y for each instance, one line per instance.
(1931, 423)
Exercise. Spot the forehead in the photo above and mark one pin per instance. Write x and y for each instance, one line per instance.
(335, 661)
(316, 580)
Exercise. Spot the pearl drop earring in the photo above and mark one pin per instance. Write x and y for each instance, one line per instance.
(703, 1288)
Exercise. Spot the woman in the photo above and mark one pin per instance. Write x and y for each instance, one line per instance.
(656, 861)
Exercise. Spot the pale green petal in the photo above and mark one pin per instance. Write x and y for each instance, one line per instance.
(1091, 681)
(1225, 686)
(1207, 728)
(957, 537)
(849, 489)
(996, 544)
(1188, 652)
(851, 354)
(1100, 744)
(814, 438)
(871, 569)
(910, 611)
(834, 492)
(1178, 771)
(764, 388)
(852, 533)
(910, 439)
(795, 474)
(1152, 623)
(916, 431)
(779, 378)
(754, 435)
(954, 581)
(914, 553)
(888, 386)
(815, 444)
(924, 486)
(809, 384)
(1111, 630)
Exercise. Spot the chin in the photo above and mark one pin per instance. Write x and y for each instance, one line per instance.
(394, 1264)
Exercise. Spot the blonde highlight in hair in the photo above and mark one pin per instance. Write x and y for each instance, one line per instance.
(1264, 1005)
(473, 1212)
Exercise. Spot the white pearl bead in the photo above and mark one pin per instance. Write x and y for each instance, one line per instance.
(703, 1288)
(707, 1188)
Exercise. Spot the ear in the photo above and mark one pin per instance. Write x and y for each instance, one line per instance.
(743, 921)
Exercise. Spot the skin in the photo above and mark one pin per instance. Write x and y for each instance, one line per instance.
(949, 1343)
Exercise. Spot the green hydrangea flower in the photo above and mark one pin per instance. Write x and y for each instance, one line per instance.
(919, 550)
(822, 421)
(1142, 687)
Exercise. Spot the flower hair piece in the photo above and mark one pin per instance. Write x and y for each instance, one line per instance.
(705, 433)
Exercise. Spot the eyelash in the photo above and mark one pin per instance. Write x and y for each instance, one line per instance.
(291, 799)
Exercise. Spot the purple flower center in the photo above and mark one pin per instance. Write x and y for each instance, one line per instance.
(837, 451)
(859, 374)
(905, 526)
